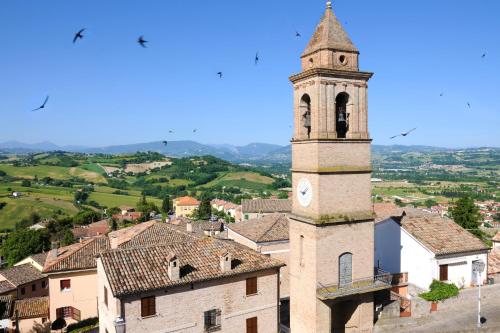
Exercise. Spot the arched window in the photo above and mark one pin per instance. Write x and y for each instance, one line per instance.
(305, 114)
(345, 269)
(341, 115)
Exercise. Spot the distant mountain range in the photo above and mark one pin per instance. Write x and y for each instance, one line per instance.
(253, 152)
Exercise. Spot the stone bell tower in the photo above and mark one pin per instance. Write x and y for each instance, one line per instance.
(331, 225)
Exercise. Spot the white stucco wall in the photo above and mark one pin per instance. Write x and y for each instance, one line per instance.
(460, 268)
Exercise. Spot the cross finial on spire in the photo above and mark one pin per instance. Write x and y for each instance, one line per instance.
(328, 5)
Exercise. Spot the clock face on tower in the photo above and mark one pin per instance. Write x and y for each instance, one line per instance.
(304, 192)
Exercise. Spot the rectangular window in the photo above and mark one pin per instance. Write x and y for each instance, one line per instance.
(106, 296)
(212, 320)
(251, 286)
(252, 325)
(33, 287)
(65, 284)
(64, 312)
(443, 272)
(23, 291)
(44, 284)
(148, 306)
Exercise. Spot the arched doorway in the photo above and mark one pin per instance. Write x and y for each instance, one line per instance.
(341, 115)
(345, 269)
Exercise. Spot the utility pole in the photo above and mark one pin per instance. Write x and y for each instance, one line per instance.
(478, 267)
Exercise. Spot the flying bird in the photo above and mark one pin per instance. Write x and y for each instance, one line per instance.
(468, 104)
(170, 131)
(403, 133)
(78, 35)
(194, 131)
(165, 142)
(142, 41)
(297, 34)
(220, 75)
(43, 105)
(256, 58)
(483, 56)
(441, 94)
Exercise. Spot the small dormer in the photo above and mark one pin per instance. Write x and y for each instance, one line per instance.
(225, 259)
(173, 269)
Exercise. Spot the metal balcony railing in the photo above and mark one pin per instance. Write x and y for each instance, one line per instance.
(379, 281)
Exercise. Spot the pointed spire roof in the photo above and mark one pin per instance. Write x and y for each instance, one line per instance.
(329, 34)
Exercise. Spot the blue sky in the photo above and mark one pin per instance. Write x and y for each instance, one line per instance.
(107, 90)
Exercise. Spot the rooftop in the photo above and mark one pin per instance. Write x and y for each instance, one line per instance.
(22, 274)
(6, 286)
(266, 205)
(34, 307)
(494, 261)
(496, 238)
(39, 258)
(136, 270)
(156, 233)
(440, 235)
(91, 230)
(269, 228)
(199, 227)
(329, 34)
(186, 201)
(76, 256)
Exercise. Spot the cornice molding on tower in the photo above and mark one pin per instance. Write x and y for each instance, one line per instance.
(335, 140)
(339, 169)
(333, 73)
(325, 221)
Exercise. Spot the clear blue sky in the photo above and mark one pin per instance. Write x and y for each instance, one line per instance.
(107, 90)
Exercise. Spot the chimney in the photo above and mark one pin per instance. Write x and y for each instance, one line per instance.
(189, 226)
(53, 250)
(173, 267)
(225, 259)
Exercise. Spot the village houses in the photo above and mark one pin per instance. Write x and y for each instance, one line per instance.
(185, 206)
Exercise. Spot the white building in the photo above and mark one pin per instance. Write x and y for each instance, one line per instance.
(427, 247)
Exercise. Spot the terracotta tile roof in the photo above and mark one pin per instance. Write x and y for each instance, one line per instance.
(35, 307)
(496, 238)
(273, 227)
(186, 201)
(7, 306)
(39, 258)
(200, 228)
(157, 233)
(136, 270)
(384, 210)
(266, 205)
(76, 256)
(22, 274)
(91, 230)
(121, 236)
(438, 234)
(494, 261)
(6, 286)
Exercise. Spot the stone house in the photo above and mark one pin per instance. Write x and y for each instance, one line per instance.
(23, 280)
(427, 247)
(71, 271)
(255, 208)
(185, 206)
(205, 285)
(267, 235)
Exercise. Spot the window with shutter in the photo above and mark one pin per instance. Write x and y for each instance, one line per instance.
(251, 286)
(148, 306)
(65, 284)
(76, 314)
(252, 325)
(212, 320)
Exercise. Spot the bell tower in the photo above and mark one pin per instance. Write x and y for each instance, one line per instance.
(331, 225)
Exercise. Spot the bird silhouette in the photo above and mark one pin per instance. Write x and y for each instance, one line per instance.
(165, 142)
(468, 104)
(297, 34)
(170, 131)
(43, 105)
(441, 94)
(194, 131)
(142, 41)
(256, 58)
(483, 56)
(403, 133)
(78, 35)
(220, 75)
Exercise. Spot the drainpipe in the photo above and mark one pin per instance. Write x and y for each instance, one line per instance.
(278, 295)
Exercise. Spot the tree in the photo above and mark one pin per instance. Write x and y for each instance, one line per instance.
(23, 243)
(430, 202)
(465, 213)
(81, 196)
(166, 204)
(26, 183)
(59, 324)
(114, 224)
(146, 208)
(205, 209)
(68, 238)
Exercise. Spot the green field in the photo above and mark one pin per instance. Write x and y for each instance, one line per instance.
(54, 172)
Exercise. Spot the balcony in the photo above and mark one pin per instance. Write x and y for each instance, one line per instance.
(379, 281)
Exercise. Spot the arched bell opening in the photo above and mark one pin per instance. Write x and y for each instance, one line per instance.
(305, 115)
(341, 115)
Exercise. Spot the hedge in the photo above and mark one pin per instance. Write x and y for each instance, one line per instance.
(440, 291)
